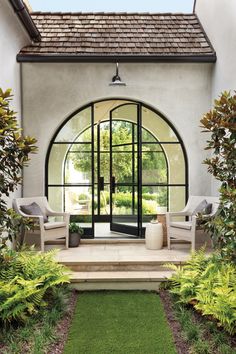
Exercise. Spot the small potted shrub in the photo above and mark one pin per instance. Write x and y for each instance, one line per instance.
(75, 232)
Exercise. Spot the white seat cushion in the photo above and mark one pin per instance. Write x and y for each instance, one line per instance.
(54, 225)
(182, 225)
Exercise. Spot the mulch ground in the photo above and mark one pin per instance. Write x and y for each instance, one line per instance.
(63, 326)
(180, 343)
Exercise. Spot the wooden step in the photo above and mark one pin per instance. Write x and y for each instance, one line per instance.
(119, 280)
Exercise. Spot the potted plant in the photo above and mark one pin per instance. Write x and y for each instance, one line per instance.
(75, 232)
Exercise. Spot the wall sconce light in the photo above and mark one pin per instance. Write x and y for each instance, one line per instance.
(116, 80)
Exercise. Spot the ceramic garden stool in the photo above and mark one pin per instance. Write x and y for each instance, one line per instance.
(154, 236)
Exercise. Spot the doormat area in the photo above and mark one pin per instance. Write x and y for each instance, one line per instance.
(119, 322)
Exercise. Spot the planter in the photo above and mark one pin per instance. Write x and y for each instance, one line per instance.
(74, 239)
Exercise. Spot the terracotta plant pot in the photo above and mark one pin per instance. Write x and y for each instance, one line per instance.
(74, 239)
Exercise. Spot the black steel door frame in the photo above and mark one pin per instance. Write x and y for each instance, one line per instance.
(123, 228)
(141, 105)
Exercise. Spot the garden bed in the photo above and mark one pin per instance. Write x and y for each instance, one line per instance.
(194, 333)
(44, 333)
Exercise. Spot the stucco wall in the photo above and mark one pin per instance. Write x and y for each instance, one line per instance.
(12, 38)
(181, 92)
(218, 18)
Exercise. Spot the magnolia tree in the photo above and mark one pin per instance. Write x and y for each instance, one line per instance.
(14, 155)
(220, 122)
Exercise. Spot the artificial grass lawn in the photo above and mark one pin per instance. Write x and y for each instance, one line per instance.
(119, 322)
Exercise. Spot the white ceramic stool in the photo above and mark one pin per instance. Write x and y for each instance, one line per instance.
(154, 236)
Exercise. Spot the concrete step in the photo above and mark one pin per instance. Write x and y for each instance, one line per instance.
(103, 266)
(119, 280)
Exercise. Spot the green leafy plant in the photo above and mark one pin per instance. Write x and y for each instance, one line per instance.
(26, 279)
(209, 284)
(40, 332)
(14, 155)
(220, 122)
(75, 228)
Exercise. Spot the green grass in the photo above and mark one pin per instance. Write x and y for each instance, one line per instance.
(119, 322)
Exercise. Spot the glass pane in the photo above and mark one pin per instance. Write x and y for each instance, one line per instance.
(75, 126)
(105, 201)
(56, 198)
(78, 200)
(121, 132)
(157, 126)
(126, 148)
(122, 167)
(176, 163)
(78, 167)
(126, 112)
(154, 167)
(80, 147)
(124, 206)
(177, 197)
(104, 136)
(147, 136)
(154, 200)
(105, 166)
(56, 163)
(103, 108)
(151, 147)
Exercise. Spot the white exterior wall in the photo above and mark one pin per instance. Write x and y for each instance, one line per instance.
(12, 38)
(51, 92)
(218, 18)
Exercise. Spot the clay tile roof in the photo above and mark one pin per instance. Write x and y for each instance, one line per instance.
(120, 35)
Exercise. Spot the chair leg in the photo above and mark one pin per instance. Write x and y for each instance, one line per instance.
(168, 242)
(193, 246)
(67, 241)
(42, 243)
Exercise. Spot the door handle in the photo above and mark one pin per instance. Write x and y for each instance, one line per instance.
(101, 183)
(113, 182)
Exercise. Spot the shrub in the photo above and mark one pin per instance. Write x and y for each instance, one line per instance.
(149, 207)
(14, 155)
(220, 122)
(26, 279)
(209, 284)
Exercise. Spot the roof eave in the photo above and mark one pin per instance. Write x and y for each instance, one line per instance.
(25, 18)
(62, 58)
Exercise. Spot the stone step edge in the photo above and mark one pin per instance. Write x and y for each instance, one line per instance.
(121, 263)
(116, 276)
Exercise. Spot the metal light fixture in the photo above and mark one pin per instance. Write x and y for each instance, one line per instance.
(116, 80)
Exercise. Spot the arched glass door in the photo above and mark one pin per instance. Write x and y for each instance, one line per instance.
(116, 162)
(125, 165)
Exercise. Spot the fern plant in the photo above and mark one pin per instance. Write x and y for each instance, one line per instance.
(209, 284)
(26, 278)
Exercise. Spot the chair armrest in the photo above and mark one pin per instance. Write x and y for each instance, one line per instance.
(170, 215)
(178, 213)
(66, 216)
(55, 213)
(38, 218)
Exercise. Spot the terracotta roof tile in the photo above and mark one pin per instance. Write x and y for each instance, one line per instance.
(119, 34)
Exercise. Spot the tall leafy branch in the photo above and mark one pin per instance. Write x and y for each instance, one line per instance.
(220, 122)
(14, 155)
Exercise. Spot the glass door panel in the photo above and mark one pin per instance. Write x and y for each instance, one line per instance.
(124, 206)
